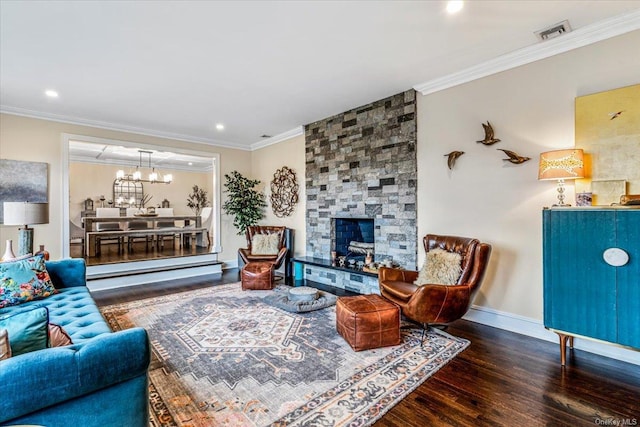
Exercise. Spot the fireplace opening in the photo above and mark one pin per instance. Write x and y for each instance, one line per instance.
(354, 237)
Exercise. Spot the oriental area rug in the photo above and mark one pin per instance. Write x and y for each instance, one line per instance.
(225, 357)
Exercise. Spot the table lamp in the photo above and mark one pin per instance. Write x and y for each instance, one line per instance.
(25, 213)
(561, 165)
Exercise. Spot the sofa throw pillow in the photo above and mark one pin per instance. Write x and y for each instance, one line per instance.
(27, 330)
(5, 348)
(24, 280)
(58, 337)
(441, 267)
(265, 244)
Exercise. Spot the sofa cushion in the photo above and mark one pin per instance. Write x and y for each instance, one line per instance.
(28, 329)
(74, 310)
(24, 280)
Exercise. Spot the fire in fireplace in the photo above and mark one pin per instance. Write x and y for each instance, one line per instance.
(353, 237)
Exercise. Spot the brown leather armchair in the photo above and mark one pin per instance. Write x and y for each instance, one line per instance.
(434, 303)
(276, 260)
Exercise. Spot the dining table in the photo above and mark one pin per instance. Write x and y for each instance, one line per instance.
(185, 229)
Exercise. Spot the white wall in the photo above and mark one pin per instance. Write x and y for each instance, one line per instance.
(264, 163)
(87, 180)
(532, 110)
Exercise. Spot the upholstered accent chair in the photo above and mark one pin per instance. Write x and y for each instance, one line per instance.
(248, 255)
(435, 303)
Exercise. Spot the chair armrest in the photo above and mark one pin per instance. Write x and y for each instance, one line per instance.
(244, 254)
(281, 255)
(39, 379)
(396, 275)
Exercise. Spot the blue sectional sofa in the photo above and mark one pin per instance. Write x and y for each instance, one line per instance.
(99, 380)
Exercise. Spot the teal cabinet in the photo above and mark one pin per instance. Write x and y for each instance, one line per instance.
(584, 295)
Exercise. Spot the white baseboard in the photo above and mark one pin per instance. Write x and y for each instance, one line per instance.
(534, 328)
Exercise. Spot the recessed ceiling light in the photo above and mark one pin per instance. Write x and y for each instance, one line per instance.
(190, 163)
(454, 6)
(51, 93)
(220, 126)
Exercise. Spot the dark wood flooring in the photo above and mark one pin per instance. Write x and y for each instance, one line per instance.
(501, 379)
(109, 253)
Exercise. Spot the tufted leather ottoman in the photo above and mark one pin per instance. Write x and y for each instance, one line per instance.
(368, 321)
(257, 276)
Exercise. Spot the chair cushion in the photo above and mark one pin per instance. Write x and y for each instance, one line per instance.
(24, 280)
(397, 289)
(265, 244)
(441, 267)
(108, 226)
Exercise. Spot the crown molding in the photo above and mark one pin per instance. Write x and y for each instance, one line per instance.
(132, 164)
(584, 36)
(278, 138)
(17, 111)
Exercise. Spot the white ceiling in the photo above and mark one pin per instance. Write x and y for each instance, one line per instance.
(176, 69)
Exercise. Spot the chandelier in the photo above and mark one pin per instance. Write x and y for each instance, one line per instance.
(154, 177)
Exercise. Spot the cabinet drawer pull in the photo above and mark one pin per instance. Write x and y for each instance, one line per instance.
(615, 257)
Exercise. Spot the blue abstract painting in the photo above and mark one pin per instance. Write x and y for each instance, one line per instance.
(23, 182)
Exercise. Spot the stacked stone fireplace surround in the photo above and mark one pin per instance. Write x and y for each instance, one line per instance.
(362, 164)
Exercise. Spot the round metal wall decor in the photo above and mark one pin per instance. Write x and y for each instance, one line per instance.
(284, 192)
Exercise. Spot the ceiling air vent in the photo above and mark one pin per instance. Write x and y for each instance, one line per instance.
(553, 31)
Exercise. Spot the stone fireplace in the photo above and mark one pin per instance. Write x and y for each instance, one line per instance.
(361, 164)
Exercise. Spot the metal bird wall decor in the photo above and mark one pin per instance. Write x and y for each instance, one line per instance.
(452, 157)
(489, 136)
(514, 157)
(615, 115)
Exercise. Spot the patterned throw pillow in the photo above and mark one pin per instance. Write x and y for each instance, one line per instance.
(24, 280)
(441, 267)
(265, 244)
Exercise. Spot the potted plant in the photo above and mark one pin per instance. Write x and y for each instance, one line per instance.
(197, 199)
(244, 203)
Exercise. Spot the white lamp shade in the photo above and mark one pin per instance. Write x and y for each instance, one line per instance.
(25, 213)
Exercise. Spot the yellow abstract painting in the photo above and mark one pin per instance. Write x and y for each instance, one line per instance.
(608, 130)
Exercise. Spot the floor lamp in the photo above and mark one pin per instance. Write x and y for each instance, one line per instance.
(25, 213)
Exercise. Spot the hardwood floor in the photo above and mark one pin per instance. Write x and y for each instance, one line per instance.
(109, 253)
(501, 379)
